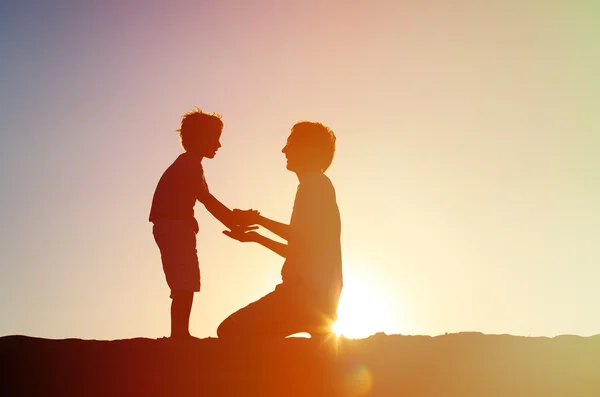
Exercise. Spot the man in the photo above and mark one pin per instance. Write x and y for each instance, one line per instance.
(307, 298)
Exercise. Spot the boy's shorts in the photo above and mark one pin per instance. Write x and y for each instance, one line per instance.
(177, 243)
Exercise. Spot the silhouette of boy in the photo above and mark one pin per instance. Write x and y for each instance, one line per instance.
(307, 298)
(172, 213)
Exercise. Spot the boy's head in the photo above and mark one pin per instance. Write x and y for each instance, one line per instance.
(200, 133)
(310, 147)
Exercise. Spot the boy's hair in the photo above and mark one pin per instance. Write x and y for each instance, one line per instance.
(197, 122)
(320, 137)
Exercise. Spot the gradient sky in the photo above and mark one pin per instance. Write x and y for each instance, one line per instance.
(467, 168)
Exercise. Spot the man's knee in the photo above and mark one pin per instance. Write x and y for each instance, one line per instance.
(222, 331)
(226, 329)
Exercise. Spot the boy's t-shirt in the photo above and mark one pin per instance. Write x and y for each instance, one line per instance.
(178, 189)
(314, 248)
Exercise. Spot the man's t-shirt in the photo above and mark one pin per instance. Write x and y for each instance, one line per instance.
(314, 249)
(178, 189)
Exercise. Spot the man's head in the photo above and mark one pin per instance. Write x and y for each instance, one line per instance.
(200, 133)
(310, 147)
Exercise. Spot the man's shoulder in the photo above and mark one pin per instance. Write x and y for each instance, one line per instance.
(316, 187)
(311, 178)
(318, 181)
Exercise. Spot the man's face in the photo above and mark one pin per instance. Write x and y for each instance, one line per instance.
(292, 153)
(299, 156)
(211, 143)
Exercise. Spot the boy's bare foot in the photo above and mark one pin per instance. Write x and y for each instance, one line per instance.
(182, 338)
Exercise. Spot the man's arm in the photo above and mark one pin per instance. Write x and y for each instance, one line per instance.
(275, 246)
(278, 228)
(251, 217)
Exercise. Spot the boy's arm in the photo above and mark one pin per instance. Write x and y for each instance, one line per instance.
(275, 246)
(218, 210)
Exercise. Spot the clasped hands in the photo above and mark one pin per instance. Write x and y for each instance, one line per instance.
(246, 222)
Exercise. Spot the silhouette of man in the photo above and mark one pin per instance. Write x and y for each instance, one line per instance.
(307, 298)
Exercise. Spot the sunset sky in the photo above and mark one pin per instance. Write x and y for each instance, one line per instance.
(467, 168)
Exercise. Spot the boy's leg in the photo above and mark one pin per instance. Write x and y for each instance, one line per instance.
(181, 307)
(177, 243)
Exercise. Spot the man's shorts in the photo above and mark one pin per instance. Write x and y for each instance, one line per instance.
(177, 243)
(288, 310)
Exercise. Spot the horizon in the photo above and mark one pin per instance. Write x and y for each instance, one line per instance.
(466, 168)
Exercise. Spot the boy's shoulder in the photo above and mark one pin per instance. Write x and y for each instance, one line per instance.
(183, 167)
(188, 160)
(187, 157)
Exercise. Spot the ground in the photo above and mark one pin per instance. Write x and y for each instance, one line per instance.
(463, 364)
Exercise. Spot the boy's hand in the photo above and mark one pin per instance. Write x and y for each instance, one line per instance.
(241, 234)
(247, 217)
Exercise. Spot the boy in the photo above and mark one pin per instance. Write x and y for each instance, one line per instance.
(172, 213)
(307, 298)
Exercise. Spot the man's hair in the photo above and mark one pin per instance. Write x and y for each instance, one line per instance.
(320, 137)
(195, 123)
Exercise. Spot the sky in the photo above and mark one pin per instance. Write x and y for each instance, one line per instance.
(466, 169)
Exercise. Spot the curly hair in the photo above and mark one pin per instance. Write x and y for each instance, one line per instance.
(195, 123)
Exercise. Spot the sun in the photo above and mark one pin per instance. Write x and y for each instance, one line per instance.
(362, 311)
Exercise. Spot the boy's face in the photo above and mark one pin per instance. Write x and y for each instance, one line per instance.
(210, 143)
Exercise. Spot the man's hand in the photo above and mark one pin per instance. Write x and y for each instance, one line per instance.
(246, 218)
(243, 234)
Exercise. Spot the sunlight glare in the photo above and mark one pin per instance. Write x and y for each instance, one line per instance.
(362, 311)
